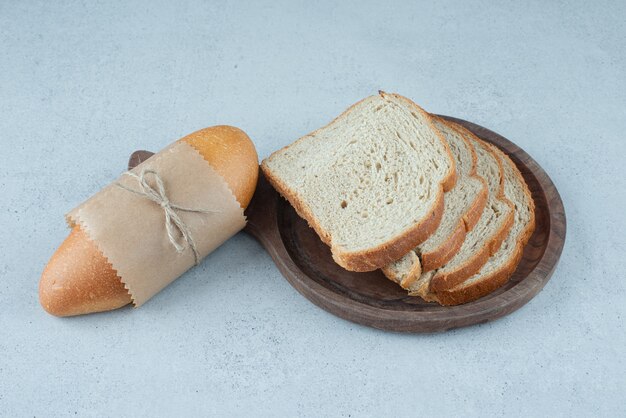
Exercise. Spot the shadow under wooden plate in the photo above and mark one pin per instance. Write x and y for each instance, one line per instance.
(371, 299)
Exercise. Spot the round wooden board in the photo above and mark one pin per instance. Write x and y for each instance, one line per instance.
(371, 299)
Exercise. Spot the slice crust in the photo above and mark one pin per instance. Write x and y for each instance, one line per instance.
(501, 266)
(486, 237)
(463, 206)
(346, 179)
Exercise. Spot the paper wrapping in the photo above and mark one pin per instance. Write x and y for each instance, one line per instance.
(130, 230)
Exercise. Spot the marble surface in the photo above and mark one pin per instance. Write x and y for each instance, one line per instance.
(82, 84)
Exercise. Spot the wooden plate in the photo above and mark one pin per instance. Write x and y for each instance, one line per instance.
(371, 299)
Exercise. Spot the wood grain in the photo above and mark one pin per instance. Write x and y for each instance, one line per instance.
(371, 299)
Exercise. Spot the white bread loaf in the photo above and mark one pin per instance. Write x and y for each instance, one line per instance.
(79, 279)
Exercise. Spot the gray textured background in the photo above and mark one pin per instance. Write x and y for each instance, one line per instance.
(82, 85)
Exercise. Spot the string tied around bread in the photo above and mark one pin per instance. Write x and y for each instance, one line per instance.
(173, 221)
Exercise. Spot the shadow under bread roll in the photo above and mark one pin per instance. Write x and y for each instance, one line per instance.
(79, 279)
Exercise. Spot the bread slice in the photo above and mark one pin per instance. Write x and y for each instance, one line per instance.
(463, 206)
(370, 183)
(486, 237)
(503, 263)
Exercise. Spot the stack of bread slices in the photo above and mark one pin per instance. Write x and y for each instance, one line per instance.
(388, 186)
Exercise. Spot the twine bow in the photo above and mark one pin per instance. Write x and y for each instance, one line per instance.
(172, 219)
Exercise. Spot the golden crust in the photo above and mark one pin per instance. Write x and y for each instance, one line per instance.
(78, 279)
(68, 287)
(231, 153)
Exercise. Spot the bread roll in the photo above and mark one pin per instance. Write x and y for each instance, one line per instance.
(79, 280)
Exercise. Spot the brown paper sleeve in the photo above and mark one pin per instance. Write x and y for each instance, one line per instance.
(130, 230)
